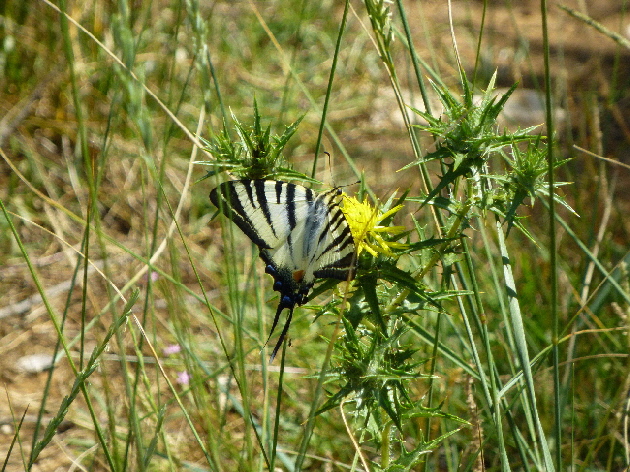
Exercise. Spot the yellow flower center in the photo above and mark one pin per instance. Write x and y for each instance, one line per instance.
(363, 220)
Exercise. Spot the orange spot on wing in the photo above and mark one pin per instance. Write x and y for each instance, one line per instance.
(298, 275)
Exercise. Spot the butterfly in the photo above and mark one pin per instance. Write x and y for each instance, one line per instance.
(301, 235)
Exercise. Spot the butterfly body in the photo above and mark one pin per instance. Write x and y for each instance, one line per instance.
(302, 235)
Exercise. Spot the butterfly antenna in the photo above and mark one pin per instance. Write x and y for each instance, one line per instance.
(285, 329)
(330, 168)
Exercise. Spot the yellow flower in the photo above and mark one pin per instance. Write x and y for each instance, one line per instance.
(364, 220)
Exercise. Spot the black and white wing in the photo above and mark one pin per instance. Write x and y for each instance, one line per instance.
(302, 235)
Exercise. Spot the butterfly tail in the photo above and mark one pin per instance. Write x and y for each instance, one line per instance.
(285, 329)
(275, 321)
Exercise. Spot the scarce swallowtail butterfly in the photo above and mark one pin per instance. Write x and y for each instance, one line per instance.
(302, 236)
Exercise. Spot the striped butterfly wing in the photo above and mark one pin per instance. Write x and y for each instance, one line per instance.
(302, 235)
